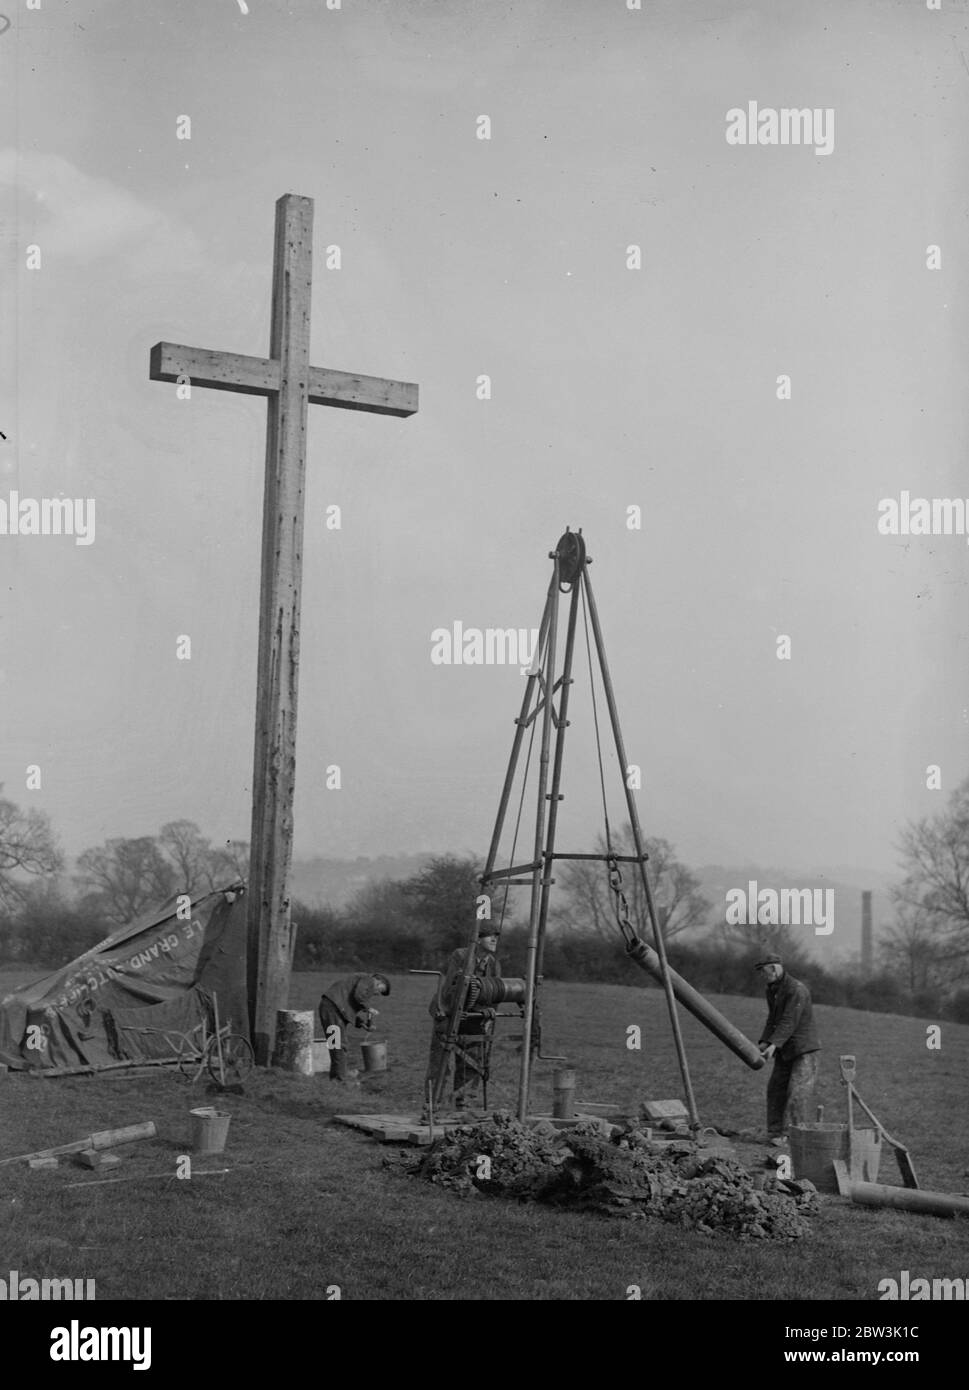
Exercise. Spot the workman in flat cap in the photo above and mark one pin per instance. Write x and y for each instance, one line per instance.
(345, 1004)
(789, 1037)
(469, 1055)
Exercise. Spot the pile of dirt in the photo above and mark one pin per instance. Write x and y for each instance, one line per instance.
(626, 1174)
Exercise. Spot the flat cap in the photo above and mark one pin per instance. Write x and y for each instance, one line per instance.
(772, 959)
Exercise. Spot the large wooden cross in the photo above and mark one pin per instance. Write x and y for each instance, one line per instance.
(290, 384)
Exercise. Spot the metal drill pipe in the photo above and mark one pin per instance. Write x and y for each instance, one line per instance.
(524, 1079)
(554, 794)
(699, 1007)
(875, 1194)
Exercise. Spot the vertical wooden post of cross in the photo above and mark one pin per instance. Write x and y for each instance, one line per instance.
(290, 384)
(274, 755)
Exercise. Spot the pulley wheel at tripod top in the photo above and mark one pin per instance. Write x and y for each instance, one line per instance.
(495, 991)
(571, 555)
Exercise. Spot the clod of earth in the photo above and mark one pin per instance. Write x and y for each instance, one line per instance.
(624, 1175)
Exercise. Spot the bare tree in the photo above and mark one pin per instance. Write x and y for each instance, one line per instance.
(932, 900)
(590, 905)
(228, 861)
(190, 853)
(124, 877)
(760, 938)
(27, 846)
(912, 951)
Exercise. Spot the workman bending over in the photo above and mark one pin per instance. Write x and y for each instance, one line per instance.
(469, 1056)
(344, 1002)
(790, 1037)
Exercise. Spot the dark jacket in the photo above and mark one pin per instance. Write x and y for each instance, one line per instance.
(790, 1019)
(351, 997)
(485, 965)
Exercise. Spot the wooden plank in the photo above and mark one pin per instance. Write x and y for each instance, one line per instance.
(259, 376)
(397, 1129)
(385, 1128)
(570, 1122)
(101, 1067)
(274, 755)
(841, 1176)
(222, 371)
(376, 1122)
(407, 1129)
(374, 393)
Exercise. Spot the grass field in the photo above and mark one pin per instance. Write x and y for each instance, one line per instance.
(310, 1204)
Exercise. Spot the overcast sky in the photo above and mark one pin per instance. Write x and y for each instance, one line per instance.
(611, 388)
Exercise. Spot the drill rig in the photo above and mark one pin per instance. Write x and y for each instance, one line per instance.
(470, 1020)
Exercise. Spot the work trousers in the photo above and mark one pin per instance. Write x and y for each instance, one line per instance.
(330, 1016)
(469, 1058)
(790, 1092)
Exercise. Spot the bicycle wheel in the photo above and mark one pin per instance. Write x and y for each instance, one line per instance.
(237, 1058)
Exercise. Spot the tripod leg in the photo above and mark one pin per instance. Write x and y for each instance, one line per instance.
(638, 840)
(520, 726)
(554, 796)
(541, 869)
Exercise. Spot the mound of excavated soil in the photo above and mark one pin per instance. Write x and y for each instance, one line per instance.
(626, 1175)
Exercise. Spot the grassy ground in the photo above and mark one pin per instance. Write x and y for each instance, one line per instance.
(309, 1204)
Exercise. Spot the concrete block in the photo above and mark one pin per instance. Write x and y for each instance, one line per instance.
(98, 1158)
(665, 1110)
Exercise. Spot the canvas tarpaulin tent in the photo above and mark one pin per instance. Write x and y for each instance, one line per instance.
(116, 1001)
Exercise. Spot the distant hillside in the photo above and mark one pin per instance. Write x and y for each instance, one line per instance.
(847, 882)
(332, 882)
(323, 882)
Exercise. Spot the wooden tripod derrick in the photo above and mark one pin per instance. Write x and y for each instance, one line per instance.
(551, 678)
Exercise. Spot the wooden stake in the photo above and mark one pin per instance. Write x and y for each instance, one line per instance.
(218, 1039)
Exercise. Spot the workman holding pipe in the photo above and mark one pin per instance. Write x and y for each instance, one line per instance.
(790, 1037)
(347, 1002)
(469, 1056)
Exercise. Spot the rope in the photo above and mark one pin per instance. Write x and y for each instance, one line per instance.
(595, 720)
(629, 934)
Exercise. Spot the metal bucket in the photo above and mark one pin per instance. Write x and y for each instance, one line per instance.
(209, 1129)
(815, 1147)
(374, 1056)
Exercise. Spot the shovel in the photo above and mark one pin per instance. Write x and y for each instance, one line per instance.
(902, 1156)
(847, 1065)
